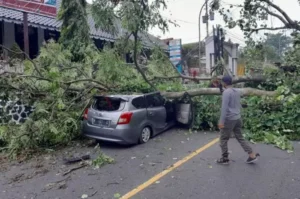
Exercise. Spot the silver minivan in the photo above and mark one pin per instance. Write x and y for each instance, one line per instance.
(128, 119)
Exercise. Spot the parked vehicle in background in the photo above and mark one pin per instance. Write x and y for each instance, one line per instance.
(128, 119)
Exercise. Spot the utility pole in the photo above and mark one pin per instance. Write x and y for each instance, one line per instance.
(206, 19)
(207, 22)
(199, 29)
(219, 38)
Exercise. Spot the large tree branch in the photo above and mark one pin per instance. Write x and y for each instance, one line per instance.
(235, 80)
(290, 21)
(242, 79)
(267, 28)
(286, 23)
(104, 87)
(100, 84)
(135, 51)
(216, 91)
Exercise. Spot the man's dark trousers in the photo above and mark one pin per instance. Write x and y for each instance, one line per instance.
(234, 126)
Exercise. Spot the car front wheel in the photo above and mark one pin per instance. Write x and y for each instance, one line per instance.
(145, 135)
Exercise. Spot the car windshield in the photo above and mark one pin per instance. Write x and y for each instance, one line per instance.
(108, 104)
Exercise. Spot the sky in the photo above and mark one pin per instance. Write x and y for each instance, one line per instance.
(186, 14)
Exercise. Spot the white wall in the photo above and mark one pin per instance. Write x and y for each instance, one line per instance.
(209, 50)
(232, 50)
(230, 64)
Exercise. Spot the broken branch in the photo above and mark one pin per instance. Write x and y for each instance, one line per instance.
(268, 28)
(74, 169)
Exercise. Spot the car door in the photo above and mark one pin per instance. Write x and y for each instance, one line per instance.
(185, 113)
(156, 112)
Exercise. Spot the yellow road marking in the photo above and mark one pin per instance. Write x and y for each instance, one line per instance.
(168, 170)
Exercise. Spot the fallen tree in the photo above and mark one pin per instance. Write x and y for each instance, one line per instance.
(235, 80)
(60, 88)
(216, 91)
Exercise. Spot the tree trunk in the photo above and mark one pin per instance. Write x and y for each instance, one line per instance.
(235, 80)
(216, 91)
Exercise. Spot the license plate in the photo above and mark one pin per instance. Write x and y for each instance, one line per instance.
(102, 123)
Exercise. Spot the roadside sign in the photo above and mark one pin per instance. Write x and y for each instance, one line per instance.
(175, 51)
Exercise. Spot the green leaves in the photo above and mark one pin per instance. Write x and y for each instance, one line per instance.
(117, 195)
(130, 16)
(75, 34)
(103, 12)
(207, 112)
(102, 160)
(279, 121)
(60, 104)
(63, 88)
(269, 120)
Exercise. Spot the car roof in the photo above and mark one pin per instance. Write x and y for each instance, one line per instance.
(125, 96)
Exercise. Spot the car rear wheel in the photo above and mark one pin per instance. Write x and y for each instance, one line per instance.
(145, 135)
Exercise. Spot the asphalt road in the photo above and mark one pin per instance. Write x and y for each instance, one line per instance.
(276, 175)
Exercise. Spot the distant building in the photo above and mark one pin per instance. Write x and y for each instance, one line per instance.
(43, 28)
(230, 49)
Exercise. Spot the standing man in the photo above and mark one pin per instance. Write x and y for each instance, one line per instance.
(230, 121)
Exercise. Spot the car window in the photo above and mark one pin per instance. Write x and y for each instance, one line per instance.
(139, 102)
(108, 104)
(155, 100)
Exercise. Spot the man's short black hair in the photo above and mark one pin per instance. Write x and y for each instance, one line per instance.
(227, 80)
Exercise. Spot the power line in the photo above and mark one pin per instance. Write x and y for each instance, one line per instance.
(241, 38)
(235, 34)
(231, 4)
(235, 37)
(181, 20)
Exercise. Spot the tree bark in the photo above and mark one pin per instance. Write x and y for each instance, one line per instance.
(216, 91)
(235, 80)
